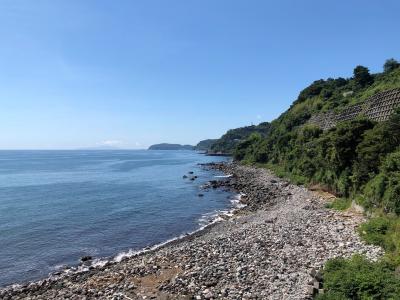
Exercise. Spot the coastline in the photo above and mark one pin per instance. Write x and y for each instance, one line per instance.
(256, 251)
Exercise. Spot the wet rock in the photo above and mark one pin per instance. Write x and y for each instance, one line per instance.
(273, 248)
(86, 258)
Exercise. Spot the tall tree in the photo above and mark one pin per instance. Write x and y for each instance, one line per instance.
(390, 65)
(362, 77)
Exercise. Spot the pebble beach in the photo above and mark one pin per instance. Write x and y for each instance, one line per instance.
(272, 247)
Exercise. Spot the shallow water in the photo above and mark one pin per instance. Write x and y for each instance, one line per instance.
(56, 206)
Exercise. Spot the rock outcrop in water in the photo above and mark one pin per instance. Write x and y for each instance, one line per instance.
(271, 249)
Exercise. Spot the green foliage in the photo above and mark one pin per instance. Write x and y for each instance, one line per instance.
(166, 146)
(205, 145)
(356, 159)
(382, 82)
(362, 77)
(374, 231)
(246, 145)
(324, 88)
(358, 278)
(390, 65)
(228, 142)
(339, 204)
(383, 231)
(348, 159)
(384, 189)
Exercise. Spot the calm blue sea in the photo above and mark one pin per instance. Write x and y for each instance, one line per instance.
(57, 206)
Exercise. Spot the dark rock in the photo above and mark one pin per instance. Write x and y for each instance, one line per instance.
(86, 258)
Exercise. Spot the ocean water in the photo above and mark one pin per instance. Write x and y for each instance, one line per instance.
(57, 206)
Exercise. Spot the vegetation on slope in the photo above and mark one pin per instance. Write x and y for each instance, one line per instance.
(357, 160)
(205, 145)
(228, 142)
(359, 278)
(166, 146)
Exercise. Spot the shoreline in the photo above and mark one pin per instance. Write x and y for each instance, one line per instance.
(186, 267)
(100, 262)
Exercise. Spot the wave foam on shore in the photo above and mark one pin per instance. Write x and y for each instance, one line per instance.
(205, 221)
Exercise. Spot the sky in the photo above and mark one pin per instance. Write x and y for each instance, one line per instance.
(89, 73)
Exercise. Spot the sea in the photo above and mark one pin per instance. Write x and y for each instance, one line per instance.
(58, 206)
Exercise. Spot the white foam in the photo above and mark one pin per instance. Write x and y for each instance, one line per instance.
(204, 221)
(98, 263)
(223, 176)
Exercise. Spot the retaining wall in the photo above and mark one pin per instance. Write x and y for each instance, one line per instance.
(377, 108)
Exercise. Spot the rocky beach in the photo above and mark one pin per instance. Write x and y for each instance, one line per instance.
(273, 247)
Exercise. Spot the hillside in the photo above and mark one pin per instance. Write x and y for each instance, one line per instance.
(205, 145)
(309, 154)
(166, 146)
(357, 158)
(227, 142)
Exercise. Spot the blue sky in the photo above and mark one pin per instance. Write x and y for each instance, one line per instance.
(83, 73)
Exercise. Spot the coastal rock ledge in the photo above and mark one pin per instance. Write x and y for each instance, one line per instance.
(271, 249)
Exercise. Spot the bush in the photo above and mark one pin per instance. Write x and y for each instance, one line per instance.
(374, 230)
(358, 278)
(383, 231)
(384, 190)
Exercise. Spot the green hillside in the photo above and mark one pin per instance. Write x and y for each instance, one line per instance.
(344, 159)
(228, 142)
(166, 146)
(205, 145)
(358, 160)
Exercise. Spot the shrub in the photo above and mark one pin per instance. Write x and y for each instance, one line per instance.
(359, 278)
(384, 189)
(374, 230)
(383, 231)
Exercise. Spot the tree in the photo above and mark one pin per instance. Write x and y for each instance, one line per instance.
(390, 65)
(362, 76)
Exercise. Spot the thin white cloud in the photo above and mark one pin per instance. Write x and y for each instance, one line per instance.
(110, 143)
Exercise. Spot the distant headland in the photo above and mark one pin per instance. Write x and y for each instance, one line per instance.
(166, 146)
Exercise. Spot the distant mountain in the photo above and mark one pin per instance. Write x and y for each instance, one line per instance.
(166, 146)
(205, 145)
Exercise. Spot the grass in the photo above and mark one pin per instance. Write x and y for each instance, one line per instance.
(339, 204)
(384, 231)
